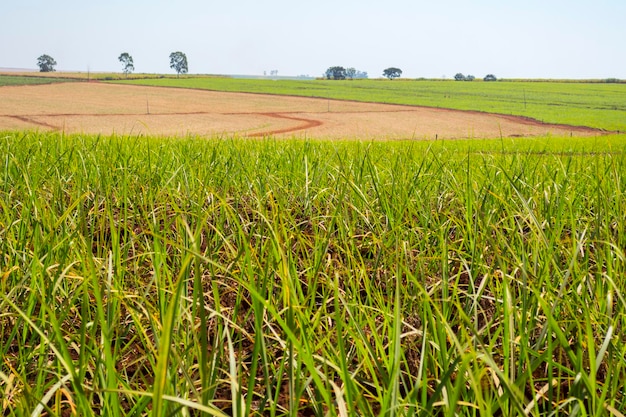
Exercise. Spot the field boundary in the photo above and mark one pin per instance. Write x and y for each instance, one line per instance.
(527, 120)
(204, 112)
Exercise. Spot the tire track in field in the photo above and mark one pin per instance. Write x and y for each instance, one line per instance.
(30, 120)
(305, 124)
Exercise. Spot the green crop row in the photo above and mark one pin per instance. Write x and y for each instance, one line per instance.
(595, 105)
(144, 276)
(7, 80)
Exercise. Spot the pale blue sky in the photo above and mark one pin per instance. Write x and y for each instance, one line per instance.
(531, 38)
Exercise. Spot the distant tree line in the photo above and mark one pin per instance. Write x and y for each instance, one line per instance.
(460, 77)
(178, 62)
(341, 73)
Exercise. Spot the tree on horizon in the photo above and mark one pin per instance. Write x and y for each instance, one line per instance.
(178, 62)
(127, 61)
(46, 63)
(392, 72)
(336, 73)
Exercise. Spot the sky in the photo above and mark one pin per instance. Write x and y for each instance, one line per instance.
(433, 39)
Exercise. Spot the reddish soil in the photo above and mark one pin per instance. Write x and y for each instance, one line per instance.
(306, 124)
(100, 108)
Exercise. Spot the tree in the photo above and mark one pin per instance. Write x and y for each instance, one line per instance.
(178, 62)
(461, 77)
(46, 63)
(392, 73)
(127, 61)
(490, 77)
(351, 73)
(336, 73)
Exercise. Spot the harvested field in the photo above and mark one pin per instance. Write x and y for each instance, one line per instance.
(98, 108)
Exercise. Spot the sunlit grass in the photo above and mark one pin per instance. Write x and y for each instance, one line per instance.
(144, 276)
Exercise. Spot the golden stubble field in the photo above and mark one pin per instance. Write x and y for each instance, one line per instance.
(100, 108)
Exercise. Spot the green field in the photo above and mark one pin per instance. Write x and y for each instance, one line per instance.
(26, 78)
(599, 105)
(143, 276)
(7, 80)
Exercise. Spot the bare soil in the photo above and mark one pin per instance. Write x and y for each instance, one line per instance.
(99, 108)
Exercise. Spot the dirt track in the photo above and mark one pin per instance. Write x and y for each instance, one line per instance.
(110, 108)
